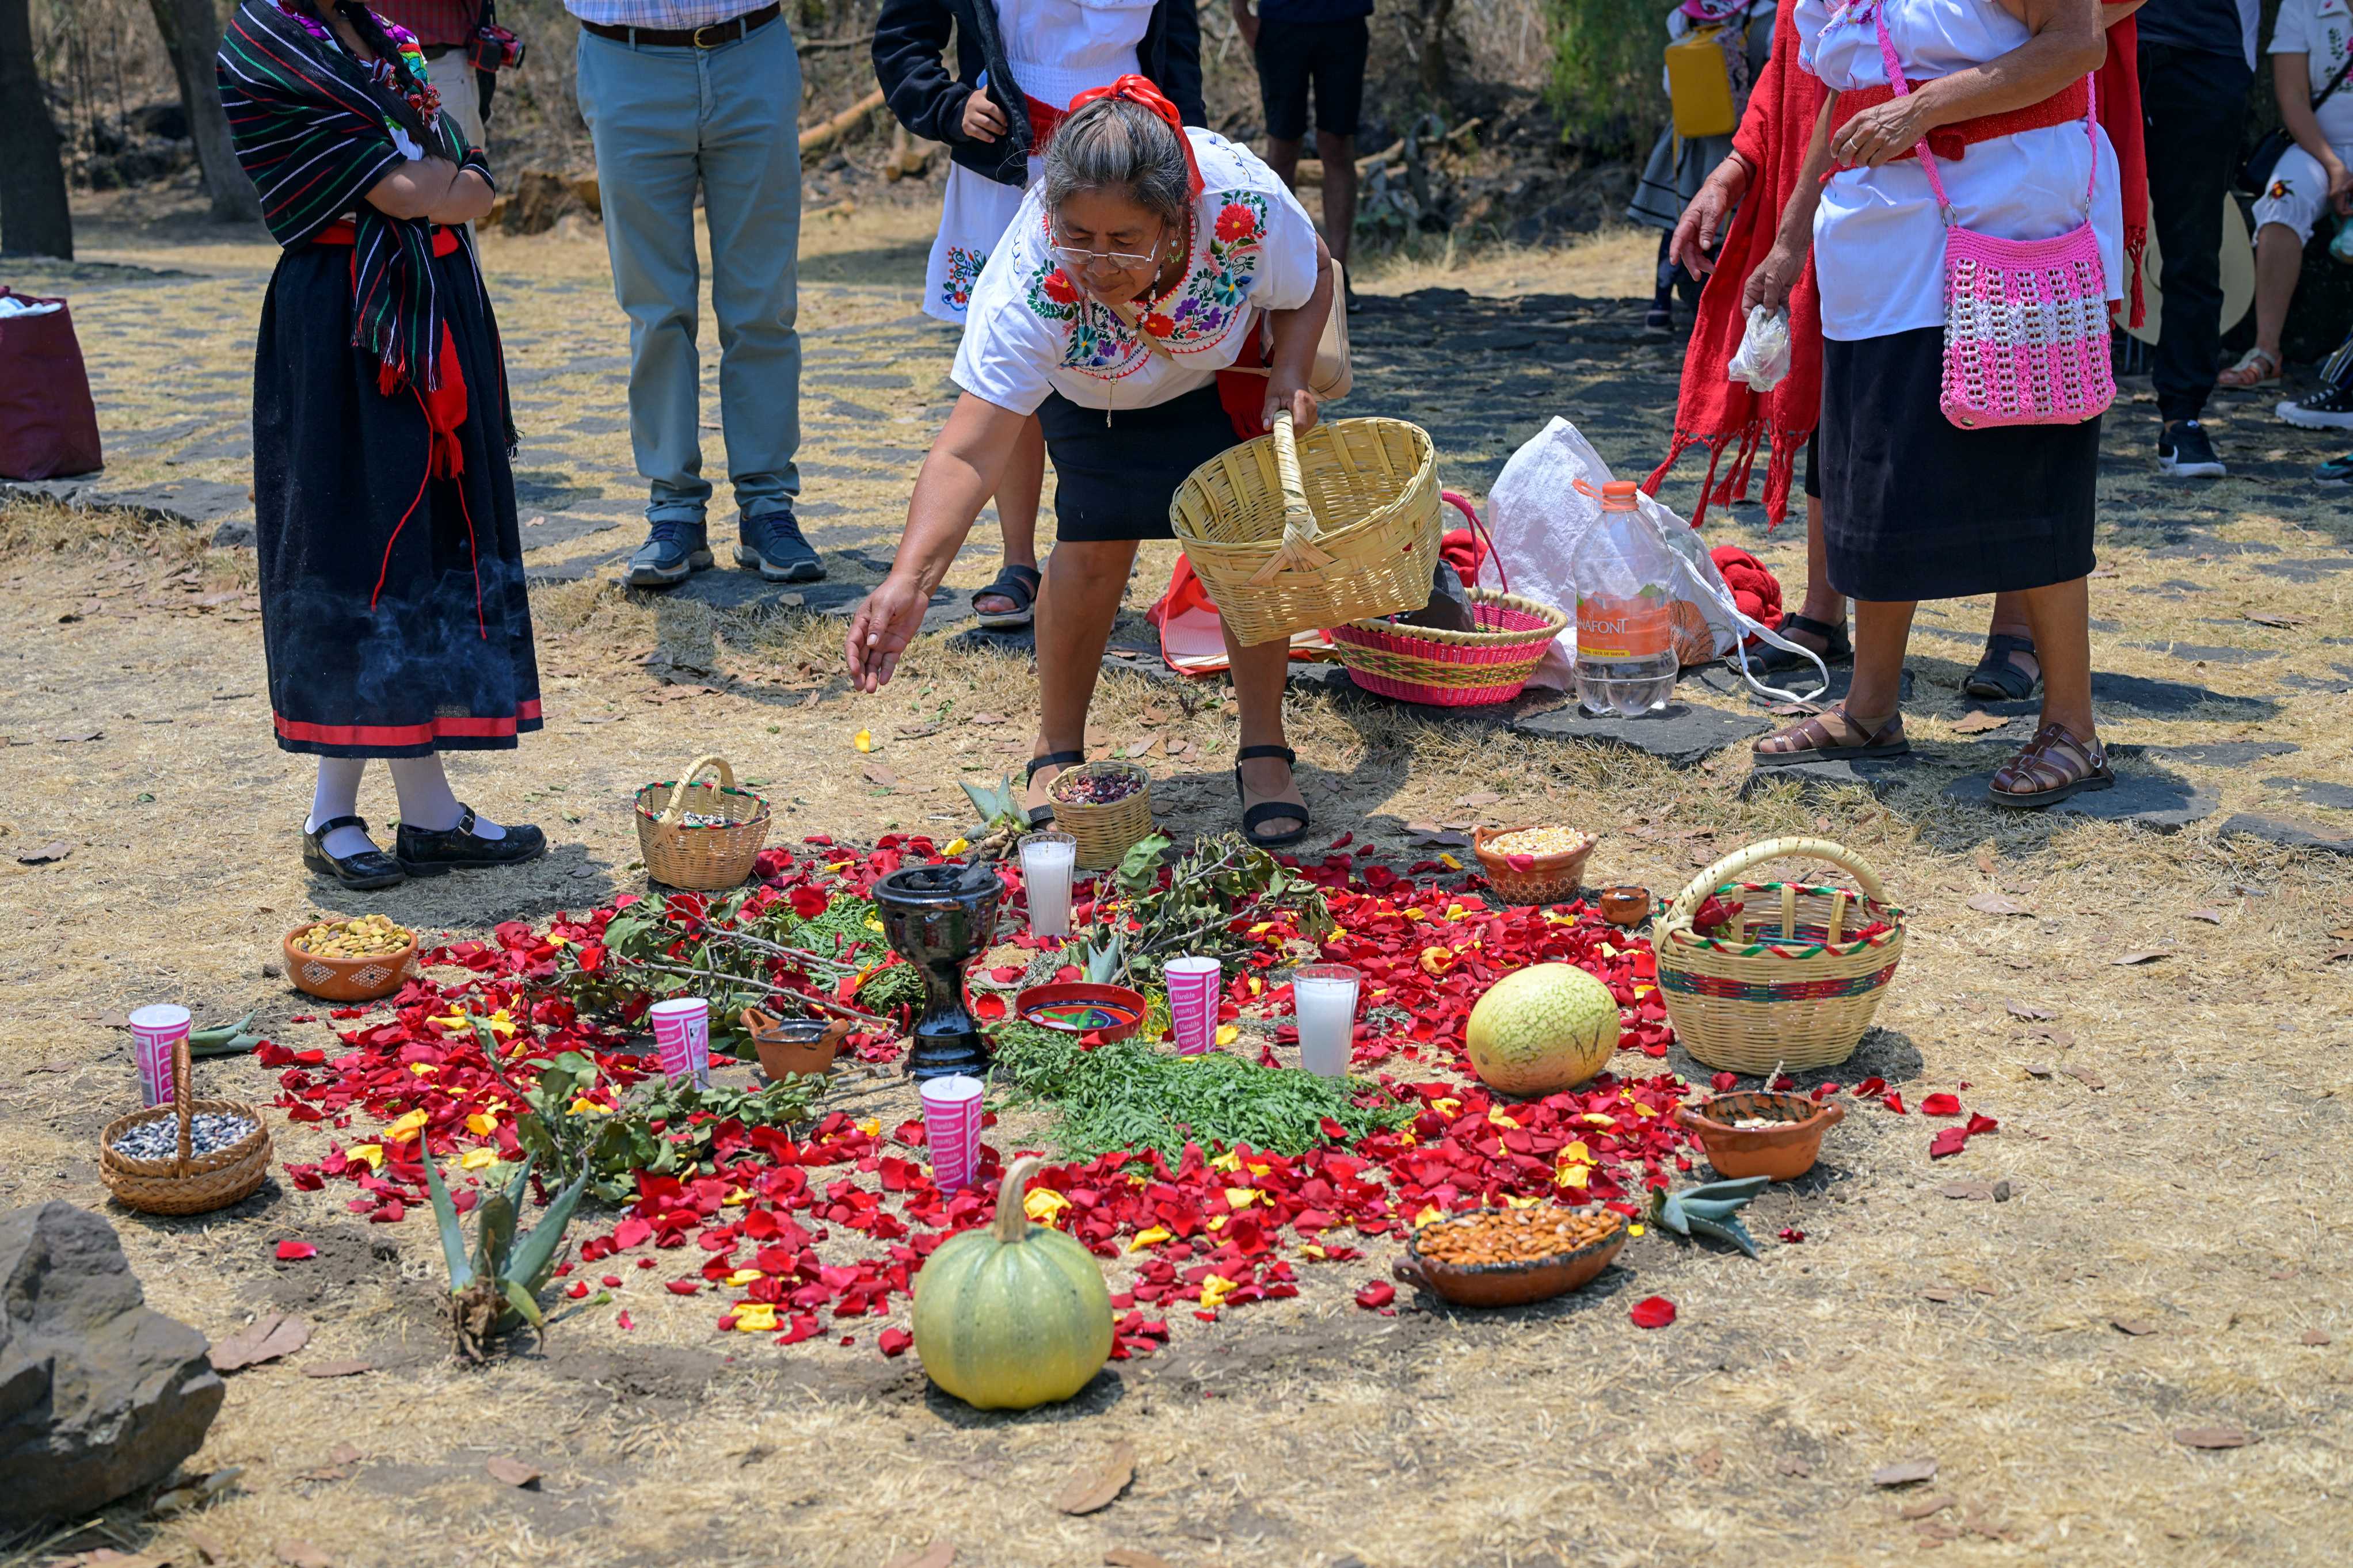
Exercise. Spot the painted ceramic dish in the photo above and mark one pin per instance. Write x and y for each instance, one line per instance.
(1078, 1007)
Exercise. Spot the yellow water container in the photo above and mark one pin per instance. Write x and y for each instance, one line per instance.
(1698, 85)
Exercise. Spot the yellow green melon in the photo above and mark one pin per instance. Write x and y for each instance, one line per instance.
(1542, 1029)
(1014, 1314)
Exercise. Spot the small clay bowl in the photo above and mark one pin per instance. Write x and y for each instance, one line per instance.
(788, 1046)
(1553, 879)
(1625, 905)
(346, 979)
(1783, 1152)
(1082, 993)
(1509, 1284)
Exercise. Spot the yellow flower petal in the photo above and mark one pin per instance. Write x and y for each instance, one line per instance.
(407, 1127)
(1496, 1114)
(1633, 1230)
(1151, 1237)
(1312, 1251)
(482, 1125)
(423, 1069)
(1598, 1120)
(1043, 1204)
(754, 1317)
(1230, 1161)
(1447, 1105)
(1215, 1288)
(1257, 987)
(1242, 1198)
(1429, 1213)
(864, 740)
(871, 1126)
(477, 1158)
(1257, 1170)
(371, 1152)
(1227, 1034)
(1216, 1222)
(1449, 861)
(744, 1277)
(957, 846)
(1572, 1177)
(584, 1106)
(1519, 1202)
(738, 1198)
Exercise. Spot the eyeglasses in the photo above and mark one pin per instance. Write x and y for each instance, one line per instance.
(1084, 259)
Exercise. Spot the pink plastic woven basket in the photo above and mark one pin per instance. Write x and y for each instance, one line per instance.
(1453, 669)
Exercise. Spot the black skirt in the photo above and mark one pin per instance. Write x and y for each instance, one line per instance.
(393, 606)
(1114, 476)
(1916, 508)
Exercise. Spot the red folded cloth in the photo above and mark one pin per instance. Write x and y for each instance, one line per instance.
(1757, 591)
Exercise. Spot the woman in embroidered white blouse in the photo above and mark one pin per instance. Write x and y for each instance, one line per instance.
(1147, 274)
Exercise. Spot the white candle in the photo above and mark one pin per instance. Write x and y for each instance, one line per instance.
(1324, 998)
(1047, 861)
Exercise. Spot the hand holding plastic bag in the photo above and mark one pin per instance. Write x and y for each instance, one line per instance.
(1763, 355)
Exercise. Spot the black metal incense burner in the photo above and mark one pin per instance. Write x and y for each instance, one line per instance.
(939, 918)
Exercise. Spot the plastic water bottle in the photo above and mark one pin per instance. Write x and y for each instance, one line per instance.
(2341, 247)
(1625, 623)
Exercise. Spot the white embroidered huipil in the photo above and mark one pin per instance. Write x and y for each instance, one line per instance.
(1032, 331)
(1057, 49)
(1879, 241)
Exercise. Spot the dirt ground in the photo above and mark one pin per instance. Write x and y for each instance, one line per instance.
(2173, 1254)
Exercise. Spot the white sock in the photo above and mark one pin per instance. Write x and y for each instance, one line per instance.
(426, 800)
(337, 795)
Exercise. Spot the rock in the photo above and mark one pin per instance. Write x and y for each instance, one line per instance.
(1679, 732)
(2287, 833)
(538, 200)
(1877, 774)
(2153, 800)
(2204, 653)
(100, 1394)
(2224, 754)
(2336, 797)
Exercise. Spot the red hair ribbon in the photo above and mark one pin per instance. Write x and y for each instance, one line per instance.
(1140, 92)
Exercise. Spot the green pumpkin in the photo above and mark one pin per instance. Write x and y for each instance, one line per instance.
(1014, 1315)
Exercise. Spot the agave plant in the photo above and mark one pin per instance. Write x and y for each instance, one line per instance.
(1709, 1210)
(1003, 818)
(500, 1283)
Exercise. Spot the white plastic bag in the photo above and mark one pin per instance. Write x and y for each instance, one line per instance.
(1547, 498)
(1763, 358)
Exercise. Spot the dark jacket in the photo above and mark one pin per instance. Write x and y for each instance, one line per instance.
(909, 35)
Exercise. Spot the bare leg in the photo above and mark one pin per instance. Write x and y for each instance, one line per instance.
(2279, 263)
(1882, 630)
(1282, 157)
(1258, 676)
(1823, 603)
(1086, 580)
(1339, 155)
(2060, 616)
(1017, 510)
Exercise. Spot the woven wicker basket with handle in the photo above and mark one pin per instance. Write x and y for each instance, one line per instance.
(1793, 985)
(1293, 533)
(187, 1183)
(1105, 833)
(702, 859)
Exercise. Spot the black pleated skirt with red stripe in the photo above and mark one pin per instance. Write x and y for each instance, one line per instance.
(393, 605)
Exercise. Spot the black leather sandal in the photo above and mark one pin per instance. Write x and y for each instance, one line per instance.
(364, 872)
(431, 852)
(1268, 810)
(1040, 815)
(1018, 583)
(1996, 677)
(1837, 648)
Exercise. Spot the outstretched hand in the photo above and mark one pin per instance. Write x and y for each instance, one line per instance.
(880, 632)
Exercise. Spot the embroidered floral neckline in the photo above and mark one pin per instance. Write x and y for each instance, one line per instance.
(1197, 312)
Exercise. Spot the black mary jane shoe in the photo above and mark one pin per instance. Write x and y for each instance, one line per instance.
(1269, 810)
(364, 872)
(1043, 816)
(429, 852)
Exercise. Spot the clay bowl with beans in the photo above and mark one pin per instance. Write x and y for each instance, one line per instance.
(350, 961)
(1508, 1257)
(1532, 864)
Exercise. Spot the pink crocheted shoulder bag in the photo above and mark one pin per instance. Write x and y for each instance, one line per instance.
(2026, 321)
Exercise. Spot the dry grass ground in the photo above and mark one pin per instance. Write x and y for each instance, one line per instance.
(2196, 1192)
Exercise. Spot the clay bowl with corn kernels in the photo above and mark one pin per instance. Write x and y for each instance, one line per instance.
(1508, 1257)
(1532, 864)
(349, 960)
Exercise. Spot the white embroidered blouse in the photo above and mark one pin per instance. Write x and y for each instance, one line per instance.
(1032, 331)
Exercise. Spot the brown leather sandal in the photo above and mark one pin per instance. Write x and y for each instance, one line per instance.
(2054, 766)
(1811, 740)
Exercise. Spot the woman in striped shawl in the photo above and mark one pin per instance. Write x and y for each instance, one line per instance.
(394, 613)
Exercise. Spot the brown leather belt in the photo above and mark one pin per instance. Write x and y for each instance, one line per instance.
(710, 35)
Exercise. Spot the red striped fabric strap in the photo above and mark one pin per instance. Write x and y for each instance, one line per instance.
(445, 240)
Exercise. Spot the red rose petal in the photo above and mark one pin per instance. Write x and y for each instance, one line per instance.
(1376, 1294)
(1941, 1105)
(1652, 1312)
(894, 1342)
(295, 1251)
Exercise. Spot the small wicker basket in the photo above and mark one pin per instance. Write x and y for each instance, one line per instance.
(1555, 878)
(1451, 668)
(1791, 988)
(1295, 533)
(700, 858)
(185, 1183)
(1105, 833)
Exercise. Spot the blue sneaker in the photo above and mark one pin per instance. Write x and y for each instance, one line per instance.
(672, 550)
(2335, 471)
(772, 545)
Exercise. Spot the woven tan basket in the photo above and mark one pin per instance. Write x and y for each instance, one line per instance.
(184, 1185)
(702, 859)
(1105, 833)
(1793, 987)
(1292, 534)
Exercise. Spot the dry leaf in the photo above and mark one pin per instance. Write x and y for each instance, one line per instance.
(938, 1554)
(1985, 860)
(2148, 956)
(1791, 1465)
(919, 733)
(350, 1368)
(984, 718)
(343, 1454)
(2087, 1077)
(1923, 1507)
(514, 1472)
(1094, 1487)
(2272, 618)
(302, 1554)
(1979, 722)
(1941, 1293)
(2213, 1437)
(46, 854)
(1996, 904)
(2037, 1069)
(602, 718)
(2317, 1337)
(2346, 951)
(1136, 748)
(2136, 1326)
(2211, 917)
(1903, 1472)
(270, 1336)
(208, 1546)
(1484, 797)
(876, 773)
(2030, 1013)
(1708, 1461)
(1135, 1557)
(1970, 1192)
(2342, 933)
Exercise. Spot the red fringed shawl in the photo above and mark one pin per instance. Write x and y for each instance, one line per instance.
(1715, 412)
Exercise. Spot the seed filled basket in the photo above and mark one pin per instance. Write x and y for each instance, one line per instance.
(1295, 533)
(1551, 878)
(1452, 668)
(1798, 982)
(717, 853)
(1106, 832)
(188, 1182)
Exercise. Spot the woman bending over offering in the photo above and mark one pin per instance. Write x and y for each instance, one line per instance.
(1147, 263)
